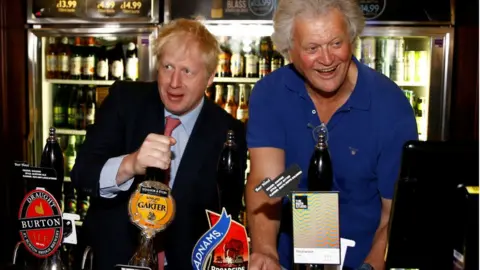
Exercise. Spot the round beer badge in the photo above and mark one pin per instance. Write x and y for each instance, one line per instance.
(151, 206)
(41, 224)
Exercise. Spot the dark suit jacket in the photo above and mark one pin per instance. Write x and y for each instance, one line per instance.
(129, 113)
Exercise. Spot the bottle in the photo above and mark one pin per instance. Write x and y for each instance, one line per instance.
(320, 172)
(117, 63)
(76, 60)
(81, 109)
(265, 54)
(51, 55)
(242, 111)
(145, 254)
(229, 172)
(277, 60)
(70, 205)
(237, 61)
(70, 153)
(101, 71)
(219, 95)
(59, 110)
(52, 157)
(223, 67)
(131, 65)
(88, 60)
(63, 63)
(72, 108)
(251, 62)
(90, 107)
(83, 204)
(230, 105)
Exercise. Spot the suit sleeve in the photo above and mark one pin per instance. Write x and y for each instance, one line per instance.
(104, 140)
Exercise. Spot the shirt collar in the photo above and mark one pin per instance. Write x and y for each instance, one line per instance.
(188, 120)
(360, 97)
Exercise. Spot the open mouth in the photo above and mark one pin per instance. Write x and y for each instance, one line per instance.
(326, 71)
(174, 97)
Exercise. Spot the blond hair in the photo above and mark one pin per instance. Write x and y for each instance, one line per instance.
(288, 10)
(183, 31)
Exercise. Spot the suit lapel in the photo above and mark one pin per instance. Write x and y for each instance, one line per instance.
(200, 142)
(151, 119)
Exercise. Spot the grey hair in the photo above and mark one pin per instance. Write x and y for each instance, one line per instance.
(288, 10)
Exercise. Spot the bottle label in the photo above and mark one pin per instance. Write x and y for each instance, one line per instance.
(76, 65)
(90, 117)
(251, 64)
(237, 64)
(72, 116)
(70, 162)
(132, 68)
(117, 69)
(264, 66)
(58, 116)
(102, 69)
(275, 64)
(229, 109)
(242, 114)
(88, 65)
(51, 63)
(223, 63)
(64, 62)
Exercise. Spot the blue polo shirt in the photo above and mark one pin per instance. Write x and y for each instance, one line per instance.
(365, 138)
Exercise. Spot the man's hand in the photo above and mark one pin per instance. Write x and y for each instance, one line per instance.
(260, 261)
(154, 152)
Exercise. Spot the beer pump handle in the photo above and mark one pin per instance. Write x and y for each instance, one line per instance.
(15, 252)
(88, 253)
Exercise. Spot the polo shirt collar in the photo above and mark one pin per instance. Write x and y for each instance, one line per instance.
(359, 99)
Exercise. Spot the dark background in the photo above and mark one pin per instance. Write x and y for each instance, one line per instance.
(14, 110)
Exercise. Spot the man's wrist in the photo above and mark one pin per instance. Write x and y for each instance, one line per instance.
(126, 170)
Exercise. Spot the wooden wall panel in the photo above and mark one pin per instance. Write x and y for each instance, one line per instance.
(13, 116)
(464, 106)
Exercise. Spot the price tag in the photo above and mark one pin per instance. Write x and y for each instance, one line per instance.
(58, 8)
(119, 8)
(131, 7)
(106, 7)
(66, 6)
(372, 9)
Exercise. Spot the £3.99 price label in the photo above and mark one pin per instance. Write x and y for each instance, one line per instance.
(66, 6)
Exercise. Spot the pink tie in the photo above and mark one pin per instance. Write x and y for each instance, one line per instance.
(170, 125)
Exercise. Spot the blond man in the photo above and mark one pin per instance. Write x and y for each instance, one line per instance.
(127, 138)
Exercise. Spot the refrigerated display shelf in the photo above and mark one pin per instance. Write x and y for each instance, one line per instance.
(235, 80)
(66, 131)
(80, 82)
(413, 84)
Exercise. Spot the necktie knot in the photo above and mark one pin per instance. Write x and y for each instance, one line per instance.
(170, 125)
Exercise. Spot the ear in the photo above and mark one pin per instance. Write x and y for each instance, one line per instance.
(210, 80)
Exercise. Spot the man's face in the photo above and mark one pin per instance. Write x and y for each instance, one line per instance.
(322, 50)
(182, 78)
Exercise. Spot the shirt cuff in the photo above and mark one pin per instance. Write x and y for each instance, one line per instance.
(108, 175)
